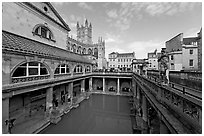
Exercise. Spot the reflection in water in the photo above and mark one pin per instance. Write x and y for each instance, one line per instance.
(101, 114)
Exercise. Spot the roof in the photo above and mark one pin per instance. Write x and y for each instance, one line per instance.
(188, 41)
(65, 26)
(113, 53)
(125, 54)
(17, 43)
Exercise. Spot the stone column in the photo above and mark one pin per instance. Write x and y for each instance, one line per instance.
(104, 84)
(67, 92)
(138, 92)
(144, 108)
(90, 84)
(83, 85)
(49, 99)
(5, 115)
(118, 86)
(200, 116)
(163, 128)
(71, 91)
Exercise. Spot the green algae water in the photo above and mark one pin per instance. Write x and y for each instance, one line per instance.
(100, 114)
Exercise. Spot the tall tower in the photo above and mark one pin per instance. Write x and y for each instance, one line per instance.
(101, 53)
(84, 33)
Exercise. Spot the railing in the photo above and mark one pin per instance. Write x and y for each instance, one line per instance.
(112, 73)
(30, 78)
(61, 75)
(189, 79)
(184, 108)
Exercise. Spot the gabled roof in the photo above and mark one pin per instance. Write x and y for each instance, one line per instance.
(57, 14)
(17, 43)
(62, 22)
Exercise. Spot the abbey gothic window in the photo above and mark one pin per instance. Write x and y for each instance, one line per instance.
(44, 32)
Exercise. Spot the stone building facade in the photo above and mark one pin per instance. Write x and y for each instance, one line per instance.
(83, 45)
(152, 60)
(121, 61)
(37, 68)
(183, 53)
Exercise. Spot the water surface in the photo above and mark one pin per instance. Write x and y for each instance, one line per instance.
(100, 114)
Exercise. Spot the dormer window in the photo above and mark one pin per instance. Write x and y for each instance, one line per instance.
(44, 32)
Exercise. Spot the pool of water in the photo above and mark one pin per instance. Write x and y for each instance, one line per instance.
(100, 114)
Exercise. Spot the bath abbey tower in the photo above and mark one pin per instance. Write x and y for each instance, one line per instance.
(84, 45)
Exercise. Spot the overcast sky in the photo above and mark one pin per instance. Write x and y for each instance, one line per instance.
(139, 27)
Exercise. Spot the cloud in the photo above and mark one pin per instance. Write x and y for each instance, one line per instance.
(58, 3)
(191, 32)
(168, 8)
(112, 13)
(122, 16)
(141, 48)
(85, 6)
(111, 38)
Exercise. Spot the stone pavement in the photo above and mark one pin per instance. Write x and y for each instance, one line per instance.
(36, 122)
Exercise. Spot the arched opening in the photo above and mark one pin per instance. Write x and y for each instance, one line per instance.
(43, 31)
(84, 51)
(79, 50)
(89, 51)
(78, 69)
(30, 71)
(96, 52)
(88, 69)
(62, 69)
(74, 48)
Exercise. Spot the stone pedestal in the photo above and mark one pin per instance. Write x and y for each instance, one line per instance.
(55, 116)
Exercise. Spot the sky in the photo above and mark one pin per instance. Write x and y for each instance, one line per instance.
(141, 27)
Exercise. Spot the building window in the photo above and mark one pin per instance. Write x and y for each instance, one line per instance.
(62, 69)
(78, 69)
(172, 57)
(191, 51)
(110, 65)
(43, 32)
(88, 69)
(118, 60)
(118, 66)
(191, 62)
(30, 69)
